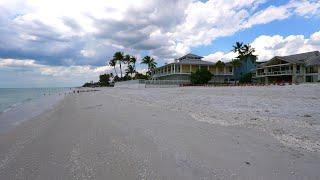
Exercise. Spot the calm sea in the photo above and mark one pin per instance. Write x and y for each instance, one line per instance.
(19, 105)
(12, 97)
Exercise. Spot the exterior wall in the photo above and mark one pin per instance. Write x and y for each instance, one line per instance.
(176, 77)
(185, 68)
(299, 74)
(212, 69)
(221, 78)
(194, 68)
(219, 70)
(246, 66)
(313, 74)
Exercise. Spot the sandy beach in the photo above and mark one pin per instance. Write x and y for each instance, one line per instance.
(171, 133)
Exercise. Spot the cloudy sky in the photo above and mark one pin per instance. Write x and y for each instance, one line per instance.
(68, 42)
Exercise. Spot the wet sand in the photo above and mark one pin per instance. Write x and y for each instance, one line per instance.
(97, 135)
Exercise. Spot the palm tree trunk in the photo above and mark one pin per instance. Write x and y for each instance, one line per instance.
(134, 66)
(120, 69)
(115, 70)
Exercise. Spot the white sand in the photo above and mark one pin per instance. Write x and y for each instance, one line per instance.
(180, 133)
(289, 113)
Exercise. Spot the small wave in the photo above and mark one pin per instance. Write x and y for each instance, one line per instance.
(11, 107)
(27, 100)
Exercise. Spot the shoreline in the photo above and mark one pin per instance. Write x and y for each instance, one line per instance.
(27, 110)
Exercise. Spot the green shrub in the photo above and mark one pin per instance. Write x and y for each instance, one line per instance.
(201, 76)
(141, 76)
(245, 78)
(104, 79)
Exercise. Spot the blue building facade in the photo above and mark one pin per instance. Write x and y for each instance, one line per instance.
(247, 65)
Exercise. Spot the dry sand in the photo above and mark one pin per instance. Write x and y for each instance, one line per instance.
(180, 133)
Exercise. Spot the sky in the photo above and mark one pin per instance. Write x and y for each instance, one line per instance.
(64, 43)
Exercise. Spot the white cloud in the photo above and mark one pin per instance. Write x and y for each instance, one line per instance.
(61, 29)
(206, 21)
(58, 71)
(88, 53)
(220, 56)
(307, 8)
(269, 46)
(270, 14)
(83, 34)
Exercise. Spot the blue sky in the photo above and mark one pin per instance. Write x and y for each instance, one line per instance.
(68, 42)
(292, 26)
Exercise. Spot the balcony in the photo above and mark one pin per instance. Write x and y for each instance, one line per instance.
(169, 73)
(223, 74)
(277, 73)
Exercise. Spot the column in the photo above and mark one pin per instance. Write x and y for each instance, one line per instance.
(303, 73)
(294, 73)
(174, 68)
(266, 79)
(318, 74)
(224, 70)
(217, 69)
(208, 68)
(190, 68)
(180, 68)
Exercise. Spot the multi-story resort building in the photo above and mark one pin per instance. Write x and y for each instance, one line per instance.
(297, 68)
(182, 68)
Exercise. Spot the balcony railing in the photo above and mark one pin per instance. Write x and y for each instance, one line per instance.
(276, 73)
(186, 73)
(169, 73)
(223, 74)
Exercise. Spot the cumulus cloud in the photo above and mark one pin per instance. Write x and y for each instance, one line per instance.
(269, 46)
(66, 75)
(51, 31)
(88, 53)
(84, 33)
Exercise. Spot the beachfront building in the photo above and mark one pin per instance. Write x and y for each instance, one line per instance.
(297, 68)
(182, 68)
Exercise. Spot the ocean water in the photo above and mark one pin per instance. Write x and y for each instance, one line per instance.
(21, 104)
(12, 97)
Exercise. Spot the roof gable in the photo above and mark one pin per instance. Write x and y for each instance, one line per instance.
(190, 56)
(299, 58)
(302, 58)
(313, 61)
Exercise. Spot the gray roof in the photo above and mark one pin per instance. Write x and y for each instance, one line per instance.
(190, 55)
(192, 62)
(299, 58)
(308, 58)
(313, 61)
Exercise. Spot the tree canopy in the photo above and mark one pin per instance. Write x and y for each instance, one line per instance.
(201, 76)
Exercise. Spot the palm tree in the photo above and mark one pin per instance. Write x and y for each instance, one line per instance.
(248, 50)
(126, 59)
(113, 63)
(244, 51)
(238, 48)
(130, 70)
(133, 60)
(118, 56)
(149, 61)
(219, 63)
(235, 63)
